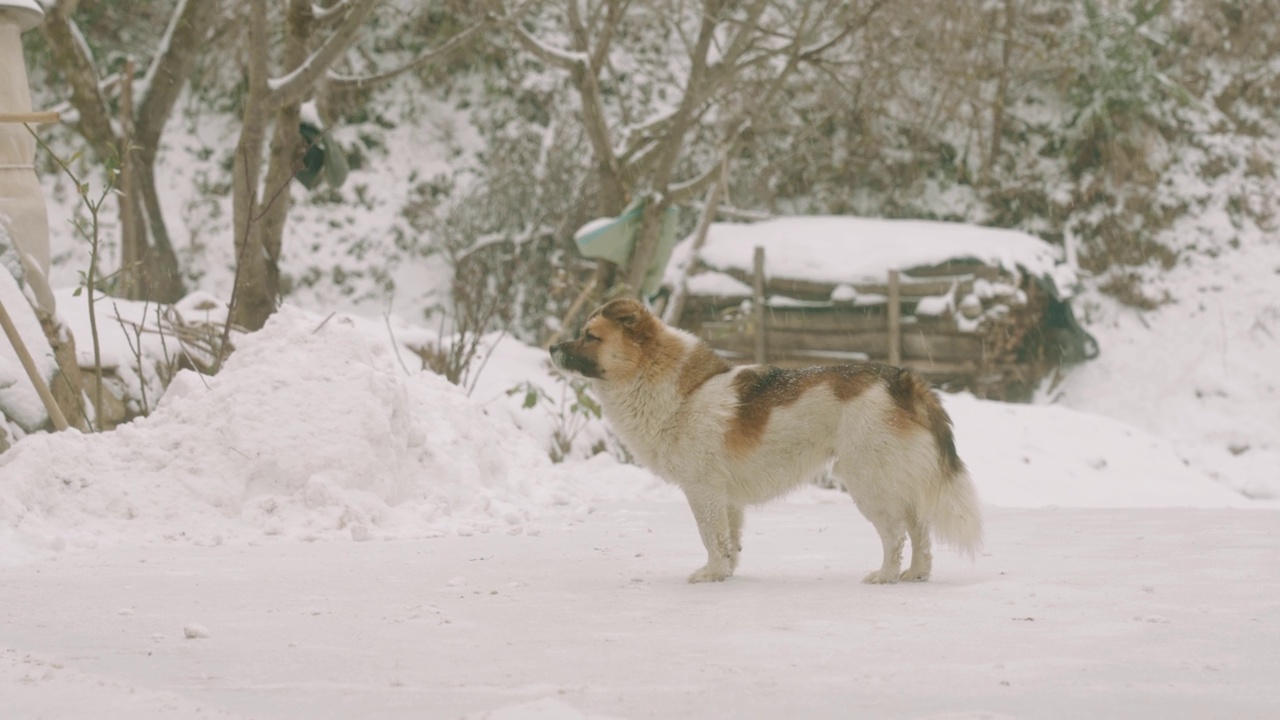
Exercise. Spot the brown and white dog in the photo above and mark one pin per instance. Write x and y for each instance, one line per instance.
(737, 436)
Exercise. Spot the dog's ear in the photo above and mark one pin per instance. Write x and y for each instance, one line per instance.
(627, 313)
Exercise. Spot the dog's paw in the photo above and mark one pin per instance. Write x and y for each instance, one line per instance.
(913, 575)
(880, 577)
(709, 574)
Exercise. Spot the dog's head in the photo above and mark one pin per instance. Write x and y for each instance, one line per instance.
(611, 346)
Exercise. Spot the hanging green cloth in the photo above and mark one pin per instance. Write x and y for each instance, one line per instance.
(614, 239)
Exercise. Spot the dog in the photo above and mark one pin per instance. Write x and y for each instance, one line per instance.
(731, 437)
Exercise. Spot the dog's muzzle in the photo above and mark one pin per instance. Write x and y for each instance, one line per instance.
(558, 355)
(566, 360)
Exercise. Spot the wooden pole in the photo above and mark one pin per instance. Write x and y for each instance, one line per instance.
(757, 307)
(895, 320)
(29, 364)
(43, 116)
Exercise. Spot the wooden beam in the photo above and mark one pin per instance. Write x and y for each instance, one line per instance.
(757, 306)
(43, 116)
(895, 320)
(28, 364)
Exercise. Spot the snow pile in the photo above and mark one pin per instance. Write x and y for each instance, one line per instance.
(1202, 371)
(311, 430)
(18, 398)
(851, 249)
(1045, 456)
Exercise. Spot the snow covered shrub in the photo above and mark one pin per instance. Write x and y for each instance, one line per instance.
(570, 414)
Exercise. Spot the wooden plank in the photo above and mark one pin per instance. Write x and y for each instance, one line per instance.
(39, 116)
(726, 335)
(757, 305)
(872, 342)
(895, 320)
(935, 369)
(830, 319)
(909, 287)
(942, 346)
(960, 266)
(33, 372)
(913, 345)
(913, 289)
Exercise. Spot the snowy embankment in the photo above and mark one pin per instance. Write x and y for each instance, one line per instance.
(1202, 371)
(314, 430)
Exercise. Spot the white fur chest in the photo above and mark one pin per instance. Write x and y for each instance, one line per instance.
(646, 419)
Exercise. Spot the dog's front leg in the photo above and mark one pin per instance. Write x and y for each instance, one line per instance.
(711, 511)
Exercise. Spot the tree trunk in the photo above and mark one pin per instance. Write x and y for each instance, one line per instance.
(252, 301)
(673, 144)
(161, 276)
(262, 207)
(150, 263)
(1002, 92)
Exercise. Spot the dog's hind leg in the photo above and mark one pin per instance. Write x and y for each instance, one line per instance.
(921, 551)
(712, 512)
(735, 533)
(893, 537)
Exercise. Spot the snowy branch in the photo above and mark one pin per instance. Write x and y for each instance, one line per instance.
(293, 87)
(549, 54)
(455, 43)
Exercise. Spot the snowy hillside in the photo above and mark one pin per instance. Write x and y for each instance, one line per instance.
(1200, 371)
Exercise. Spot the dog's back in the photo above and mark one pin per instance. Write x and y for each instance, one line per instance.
(886, 436)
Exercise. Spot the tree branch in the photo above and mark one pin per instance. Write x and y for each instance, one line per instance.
(166, 76)
(551, 55)
(72, 53)
(455, 43)
(812, 53)
(293, 87)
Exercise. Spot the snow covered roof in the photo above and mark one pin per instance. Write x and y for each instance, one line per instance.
(852, 249)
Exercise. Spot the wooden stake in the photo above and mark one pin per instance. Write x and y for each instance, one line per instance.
(43, 116)
(55, 412)
(895, 320)
(757, 308)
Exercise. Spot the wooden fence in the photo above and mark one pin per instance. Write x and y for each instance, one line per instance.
(795, 323)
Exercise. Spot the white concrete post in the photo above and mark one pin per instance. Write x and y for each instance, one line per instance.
(22, 209)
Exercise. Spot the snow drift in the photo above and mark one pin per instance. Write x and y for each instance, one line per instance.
(312, 429)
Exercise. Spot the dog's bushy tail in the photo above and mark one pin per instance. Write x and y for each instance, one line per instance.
(955, 514)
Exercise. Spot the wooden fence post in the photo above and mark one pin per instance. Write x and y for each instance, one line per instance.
(29, 364)
(757, 307)
(895, 320)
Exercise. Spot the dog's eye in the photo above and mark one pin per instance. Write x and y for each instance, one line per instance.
(588, 337)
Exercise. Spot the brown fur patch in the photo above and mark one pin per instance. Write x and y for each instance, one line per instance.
(760, 390)
(702, 365)
(917, 404)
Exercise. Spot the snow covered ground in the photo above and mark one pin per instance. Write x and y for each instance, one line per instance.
(1070, 614)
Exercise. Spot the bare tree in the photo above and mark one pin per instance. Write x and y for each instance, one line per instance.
(720, 47)
(151, 269)
(315, 37)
